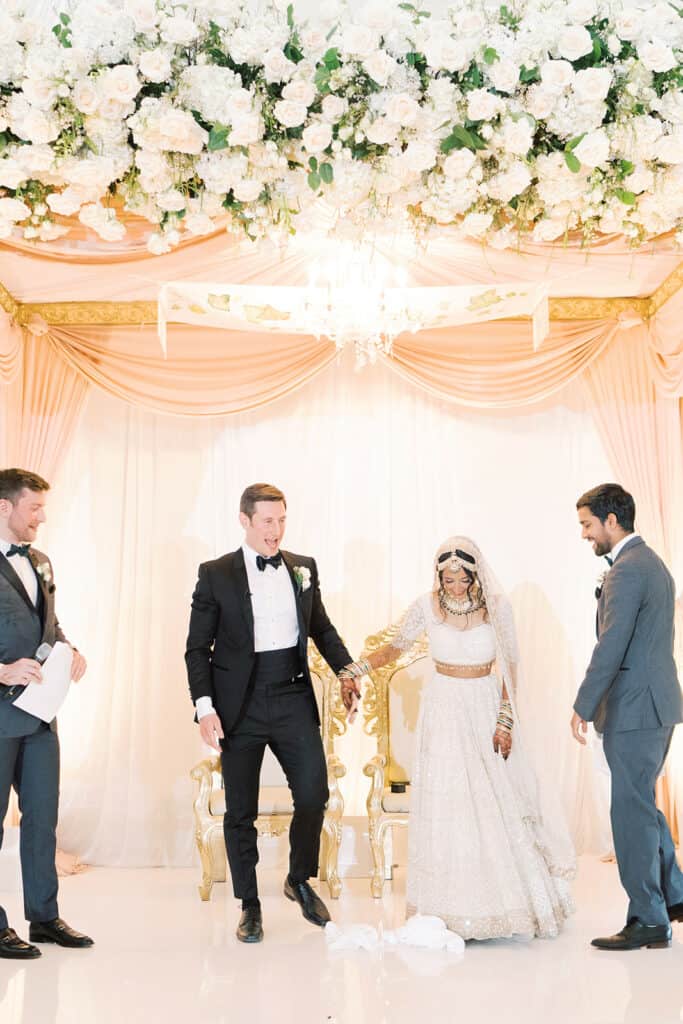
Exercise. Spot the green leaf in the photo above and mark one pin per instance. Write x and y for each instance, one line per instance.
(625, 166)
(331, 59)
(218, 137)
(327, 173)
(572, 162)
(322, 80)
(626, 197)
(462, 138)
(4, 141)
(573, 143)
(290, 15)
(528, 75)
(64, 18)
(314, 180)
(292, 51)
(313, 163)
(408, 7)
(490, 55)
(597, 48)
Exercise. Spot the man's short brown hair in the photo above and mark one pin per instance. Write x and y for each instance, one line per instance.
(259, 492)
(14, 481)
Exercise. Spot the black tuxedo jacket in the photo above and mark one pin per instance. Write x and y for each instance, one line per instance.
(220, 654)
(23, 628)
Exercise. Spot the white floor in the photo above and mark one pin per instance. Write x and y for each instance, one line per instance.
(163, 956)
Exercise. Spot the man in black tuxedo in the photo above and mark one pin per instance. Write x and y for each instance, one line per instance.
(29, 748)
(253, 611)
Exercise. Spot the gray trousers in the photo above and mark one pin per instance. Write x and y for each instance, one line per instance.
(31, 765)
(642, 842)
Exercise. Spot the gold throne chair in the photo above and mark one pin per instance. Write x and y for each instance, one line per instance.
(391, 705)
(275, 800)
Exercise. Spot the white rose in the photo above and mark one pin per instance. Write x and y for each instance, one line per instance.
(112, 109)
(504, 75)
(248, 190)
(592, 84)
(482, 105)
(334, 108)
(387, 184)
(459, 163)
(172, 200)
(380, 66)
(477, 224)
(470, 23)
(629, 24)
(317, 137)
(155, 65)
(199, 224)
(557, 75)
(277, 67)
(120, 83)
(671, 106)
(13, 210)
(158, 244)
(548, 229)
(614, 44)
(299, 91)
(180, 133)
(540, 102)
(313, 41)
(238, 103)
(574, 42)
(179, 30)
(246, 129)
(669, 149)
(37, 127)
(593, 150)
(419, 156)
(86, 97)
(40, 93)
(360, 40)
(69, 201)
(290, 114)
(517, 136)
(445, 53)
(656, 56)
(401, 108)
(581, 11)
(143, 13)
(382, 131)
(641, 179)
(510, 183)
(12, 172)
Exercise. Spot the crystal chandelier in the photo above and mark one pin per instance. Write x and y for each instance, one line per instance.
(356, 299)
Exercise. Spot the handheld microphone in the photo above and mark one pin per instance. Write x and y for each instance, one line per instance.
(43, 653)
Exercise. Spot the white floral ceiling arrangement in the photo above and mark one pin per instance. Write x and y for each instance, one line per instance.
(524, 119)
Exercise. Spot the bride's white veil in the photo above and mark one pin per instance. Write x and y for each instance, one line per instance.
(460, 552)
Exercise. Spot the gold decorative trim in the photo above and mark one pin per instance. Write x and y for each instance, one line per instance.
(144, 313)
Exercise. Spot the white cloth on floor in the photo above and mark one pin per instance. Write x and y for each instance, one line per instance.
(420, 931)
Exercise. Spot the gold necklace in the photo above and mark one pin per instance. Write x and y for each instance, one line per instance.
(455, 607)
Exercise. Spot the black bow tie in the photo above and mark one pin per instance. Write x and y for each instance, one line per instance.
(610, 561)
(18, 549)
(274, 560)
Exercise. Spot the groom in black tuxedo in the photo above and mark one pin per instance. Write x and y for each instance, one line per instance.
(253, 611)
(29, 747)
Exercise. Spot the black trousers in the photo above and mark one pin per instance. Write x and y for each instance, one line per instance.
(281, 716)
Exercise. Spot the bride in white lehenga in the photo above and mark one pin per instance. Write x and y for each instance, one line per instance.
(485, 855)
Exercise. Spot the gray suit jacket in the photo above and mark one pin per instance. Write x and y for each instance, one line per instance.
(631, 681)
(23, 627)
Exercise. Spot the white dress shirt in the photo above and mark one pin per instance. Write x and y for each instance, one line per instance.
(24, 570)
(276, 626)
(622, 544)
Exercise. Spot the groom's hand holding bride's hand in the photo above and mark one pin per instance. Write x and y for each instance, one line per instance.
(579, 729)
(350, 694)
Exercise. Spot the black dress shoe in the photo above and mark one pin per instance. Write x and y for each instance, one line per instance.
(250, 928)
(636, 936)
(312, 907)
(58, 931)
(675, 912)
(14, 948)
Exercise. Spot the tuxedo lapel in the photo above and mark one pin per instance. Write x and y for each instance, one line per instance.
(287, 559)
(14, 580)
(43, 591)
(241, 582)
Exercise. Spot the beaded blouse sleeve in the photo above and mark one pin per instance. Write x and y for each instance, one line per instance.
(412, 626)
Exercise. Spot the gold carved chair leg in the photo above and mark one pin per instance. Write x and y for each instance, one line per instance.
(374, 769)
(332, 828)
(206, 830)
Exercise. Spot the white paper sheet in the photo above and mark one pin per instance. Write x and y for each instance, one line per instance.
(46, 698)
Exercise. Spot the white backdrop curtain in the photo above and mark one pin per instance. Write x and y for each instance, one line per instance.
(376, 474)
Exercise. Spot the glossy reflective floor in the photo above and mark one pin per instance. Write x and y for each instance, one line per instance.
(162, 956)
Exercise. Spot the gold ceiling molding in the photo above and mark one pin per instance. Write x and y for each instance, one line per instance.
(144, 313)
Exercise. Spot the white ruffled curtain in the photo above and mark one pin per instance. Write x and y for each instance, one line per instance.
(376, 474)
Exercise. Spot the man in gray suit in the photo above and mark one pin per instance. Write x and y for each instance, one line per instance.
(29, 748)
(632, 695)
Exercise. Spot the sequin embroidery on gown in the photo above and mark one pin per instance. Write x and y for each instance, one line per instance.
(478, 854)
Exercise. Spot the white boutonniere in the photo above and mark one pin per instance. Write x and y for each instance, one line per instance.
(302, 574)
(45, 572)
(601, 582)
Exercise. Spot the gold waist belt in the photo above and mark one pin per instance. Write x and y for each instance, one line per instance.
(463, 671)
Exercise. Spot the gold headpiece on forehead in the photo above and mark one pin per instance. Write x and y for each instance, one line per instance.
(456, 559)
